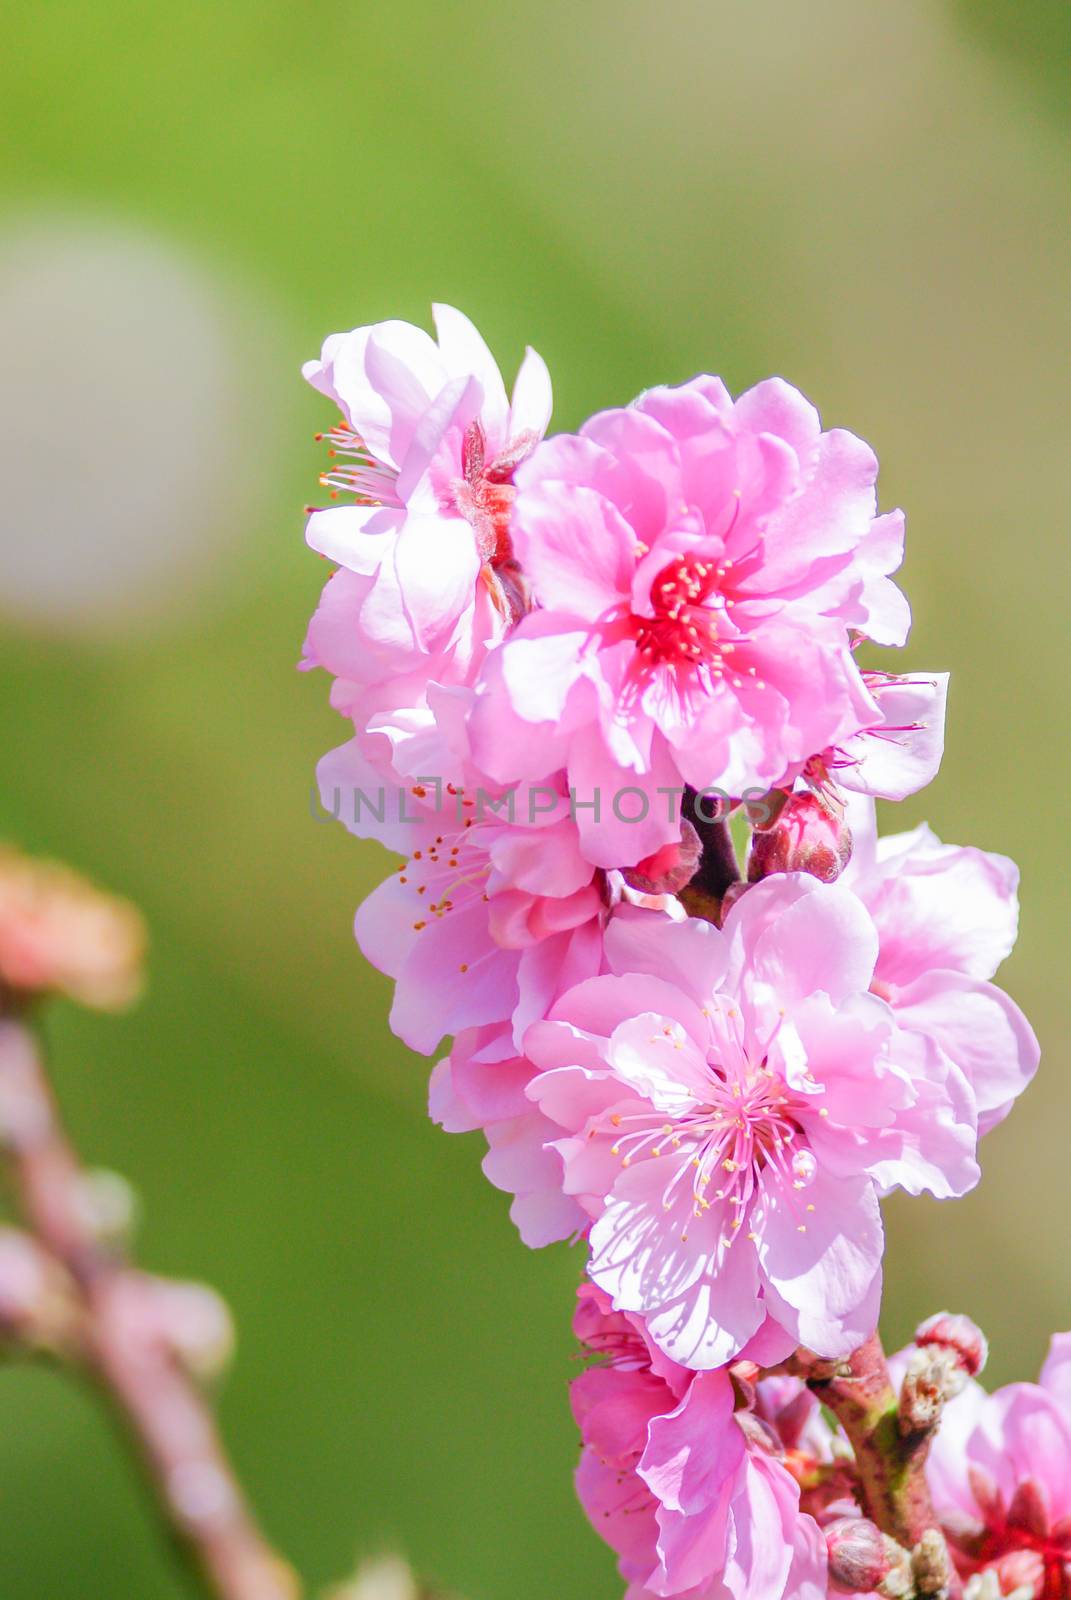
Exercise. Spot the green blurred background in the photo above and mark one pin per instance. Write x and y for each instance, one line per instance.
(869, 196)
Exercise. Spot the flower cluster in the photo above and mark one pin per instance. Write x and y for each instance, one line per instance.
(582, 672)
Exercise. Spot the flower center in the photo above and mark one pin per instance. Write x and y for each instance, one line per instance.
(747, 1120)
(1016, 1541)
(684, 628)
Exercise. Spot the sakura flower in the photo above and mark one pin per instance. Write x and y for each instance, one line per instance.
(896, 756)
(946, 917)
(493, 914)
(481, 1085)
(699, 563)
(690, 1493)
(427, 449)
(1000, 1475)
(732, 1103)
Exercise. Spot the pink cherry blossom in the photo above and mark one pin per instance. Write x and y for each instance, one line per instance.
(698, 563)
(425, 455)
(897, 755)
(481, 1085)
(1000, 1475)
(492, 915)
(732, 1104)
(947, 917)
(691, 1493)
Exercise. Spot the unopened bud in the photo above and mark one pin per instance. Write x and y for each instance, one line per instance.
(109, 1205)
(805, 838)
(385, 1578)
(38, 1304)
(60, 935)
(189, 1320)
(932, 1377)
(931, 1566)
(955, 1332)
(670, 869)
(860, 1555)
(197, 1325)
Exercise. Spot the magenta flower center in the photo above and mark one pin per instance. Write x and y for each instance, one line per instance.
(688, 607)
(1019, 1541)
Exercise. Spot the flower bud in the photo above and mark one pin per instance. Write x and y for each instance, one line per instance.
(671, 868)
(188, 1319)
(805, 838)
(933, 1376)
(931, 1566)
(197, 1325)
(385, 1578)
(859, 1555)
(109, 1205)
(38, 1303)
(959, 1334)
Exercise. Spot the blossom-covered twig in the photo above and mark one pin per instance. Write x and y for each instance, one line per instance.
(99, 1310)
(603, 647)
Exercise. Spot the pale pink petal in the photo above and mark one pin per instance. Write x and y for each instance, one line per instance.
(693, 954)
(691, 1451)
(533, 398)
(983, 1032)
(823, 1264)
(465, 351)
(822, 940)
(941, 906)
(521, 1161)
(357, 537)
(576, 548)
(902, 755)
(436, 563)
(655, 1057)
(456, 405)
(1056, 1370)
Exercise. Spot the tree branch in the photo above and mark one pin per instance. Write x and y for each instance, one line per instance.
(128, 1353)
(891, 1465)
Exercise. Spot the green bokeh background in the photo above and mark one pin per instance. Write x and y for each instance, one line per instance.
(867, 195)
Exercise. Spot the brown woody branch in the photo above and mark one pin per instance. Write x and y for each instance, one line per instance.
(99, 1324)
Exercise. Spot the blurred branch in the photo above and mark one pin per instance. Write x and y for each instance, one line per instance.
(69, 1290)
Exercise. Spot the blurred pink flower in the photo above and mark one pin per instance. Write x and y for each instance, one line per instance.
(699, 563)
(947, 916)
(733, 1103)
(60, 935)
